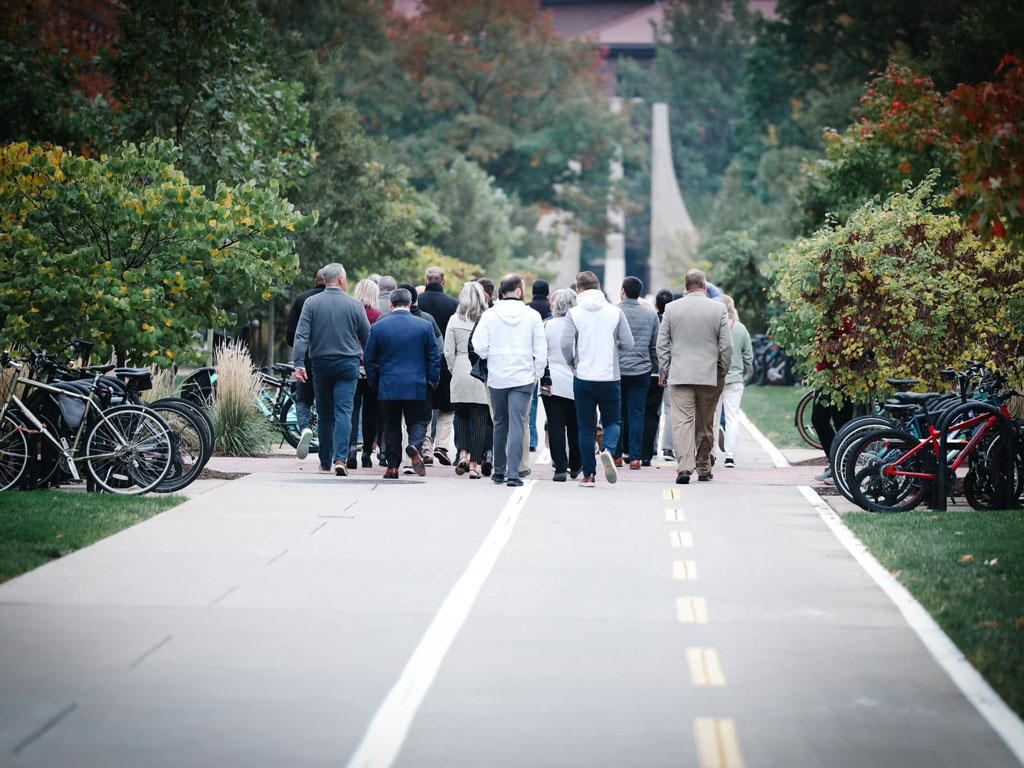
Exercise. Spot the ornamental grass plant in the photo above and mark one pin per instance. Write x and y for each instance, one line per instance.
(239, 425)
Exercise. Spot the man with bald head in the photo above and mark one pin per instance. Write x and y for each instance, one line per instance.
(695, 352)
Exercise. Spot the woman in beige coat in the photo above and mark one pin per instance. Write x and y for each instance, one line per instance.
(469, 395)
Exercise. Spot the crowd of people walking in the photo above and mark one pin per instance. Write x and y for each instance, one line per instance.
(424, 377)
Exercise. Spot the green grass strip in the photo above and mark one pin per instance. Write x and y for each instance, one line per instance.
(967, 569)
(40, 526)
(772, 410)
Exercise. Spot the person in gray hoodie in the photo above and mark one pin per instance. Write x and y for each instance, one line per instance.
(635, 366)
(595, 334)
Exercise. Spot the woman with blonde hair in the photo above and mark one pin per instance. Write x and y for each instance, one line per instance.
(742, 362)
(367, 292)
(468, 394)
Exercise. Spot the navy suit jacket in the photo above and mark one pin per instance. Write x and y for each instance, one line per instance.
(402, 357)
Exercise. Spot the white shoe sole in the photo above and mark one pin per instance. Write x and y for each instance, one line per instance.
(302, 449)
(610, 473)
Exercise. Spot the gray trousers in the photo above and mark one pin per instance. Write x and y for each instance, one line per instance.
(511, 407)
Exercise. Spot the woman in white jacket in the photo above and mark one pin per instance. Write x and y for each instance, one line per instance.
(558, 398)
(469, 395)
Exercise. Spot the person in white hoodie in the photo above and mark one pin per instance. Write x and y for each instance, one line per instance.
(595, 333)
(510, 337)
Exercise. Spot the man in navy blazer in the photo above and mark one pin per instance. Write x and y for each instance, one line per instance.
(403, 362)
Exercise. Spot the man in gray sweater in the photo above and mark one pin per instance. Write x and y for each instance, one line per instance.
(635, 366)
(333, 330)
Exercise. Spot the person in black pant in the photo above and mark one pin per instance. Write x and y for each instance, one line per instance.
(559, 404)
(828, 419)
(304, 397)
(403, 362)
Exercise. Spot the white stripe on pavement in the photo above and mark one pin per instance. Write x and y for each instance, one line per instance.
(390, 725)
(970, 682)
(778, 460)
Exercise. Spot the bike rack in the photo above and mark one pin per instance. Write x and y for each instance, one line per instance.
(940, 492)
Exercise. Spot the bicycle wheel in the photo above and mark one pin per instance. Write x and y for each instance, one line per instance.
(846, 438)
(128, 450)
(289, 424)
(202, 418)
(191, 449)
(869, 474)
(803, 421)
(13, 453)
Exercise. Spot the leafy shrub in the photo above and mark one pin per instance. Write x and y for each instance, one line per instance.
(239, 425)
(902, 289)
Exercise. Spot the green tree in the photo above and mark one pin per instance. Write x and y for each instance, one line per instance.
(126, 250)
(493, 82)
(196, 71)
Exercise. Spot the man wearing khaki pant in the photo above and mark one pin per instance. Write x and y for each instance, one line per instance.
(694, 352)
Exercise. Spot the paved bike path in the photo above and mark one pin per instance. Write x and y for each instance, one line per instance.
(264, 622)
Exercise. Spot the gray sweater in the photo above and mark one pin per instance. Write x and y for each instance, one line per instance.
(332, 325)
(643, 324)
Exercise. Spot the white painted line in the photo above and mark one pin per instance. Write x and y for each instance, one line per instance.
(543, 456)
(705, 668)
(970, 682)
(684, 569)
(692, 610)
(717, 743)
(390, 725)
(778, 460)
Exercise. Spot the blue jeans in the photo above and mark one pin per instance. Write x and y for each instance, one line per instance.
(590, 395)
(634, 401)
(533, 419)
(335, 381)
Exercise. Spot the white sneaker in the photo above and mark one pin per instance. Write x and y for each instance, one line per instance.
(824, 477)
(302, 449)
(610, 474)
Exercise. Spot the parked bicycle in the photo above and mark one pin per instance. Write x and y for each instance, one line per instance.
(124, 449)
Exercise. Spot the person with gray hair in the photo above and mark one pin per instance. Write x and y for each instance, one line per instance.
(365, 406)
(468, 394)
(386, 285)
(304, 395)
(333, 330)
(556, 392)
(695, 352)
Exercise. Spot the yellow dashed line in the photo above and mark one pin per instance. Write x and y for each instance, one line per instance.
(684, 569)
(717, 743)
(705, 667)
(670, 494)
(681, 538)
(675, 515)
(692, 610)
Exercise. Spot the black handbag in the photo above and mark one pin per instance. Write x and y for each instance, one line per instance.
(479, 369)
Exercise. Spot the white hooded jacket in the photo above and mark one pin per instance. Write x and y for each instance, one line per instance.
(510, 336)
(595, 334)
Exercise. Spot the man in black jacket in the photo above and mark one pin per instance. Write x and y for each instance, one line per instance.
(434, 301)
(304, 397)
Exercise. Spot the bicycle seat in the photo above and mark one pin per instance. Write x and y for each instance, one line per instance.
(139, 378)
(283, 368)
(901, 383)
(98, 368)
(915, 397)
(80, 387)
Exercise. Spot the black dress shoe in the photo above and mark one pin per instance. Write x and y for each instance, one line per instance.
(442, 457)
(367, 461)
(351, 462)
(560, 477)
(682, 478)
(645, 463)
(487, 465)
(705, 477)
(498, 478)
(514, 482)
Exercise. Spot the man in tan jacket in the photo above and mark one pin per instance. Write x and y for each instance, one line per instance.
(694, 351)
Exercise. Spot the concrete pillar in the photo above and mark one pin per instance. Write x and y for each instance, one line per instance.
(674, 238)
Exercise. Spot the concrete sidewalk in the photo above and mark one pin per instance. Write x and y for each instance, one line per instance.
(264, 622)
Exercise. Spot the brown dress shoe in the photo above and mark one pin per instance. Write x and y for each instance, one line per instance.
(634, 465)
(705, 476)
(618, 462)
(391, 474)
(587, 482)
